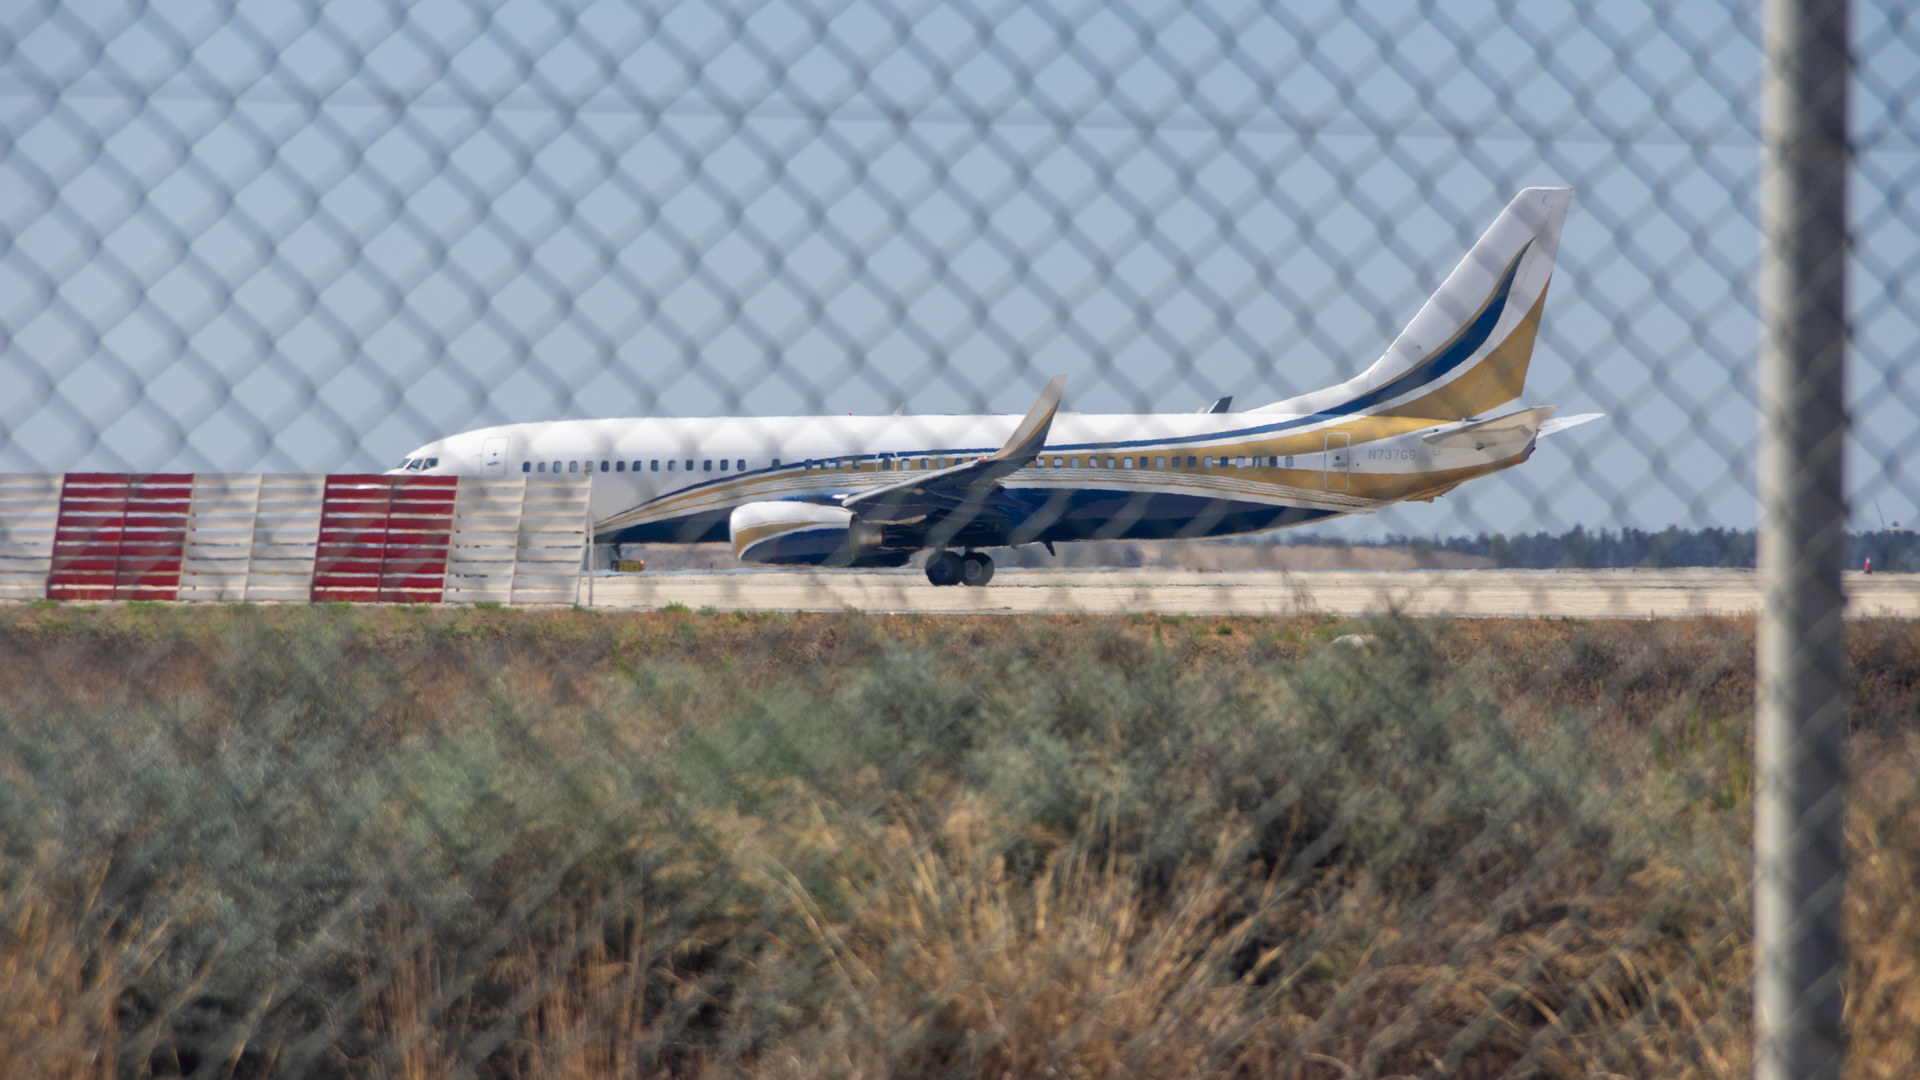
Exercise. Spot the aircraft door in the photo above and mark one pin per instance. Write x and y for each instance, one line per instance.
(493, 456)
(1339, 458)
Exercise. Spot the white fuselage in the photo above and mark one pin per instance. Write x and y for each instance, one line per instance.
(652, 477)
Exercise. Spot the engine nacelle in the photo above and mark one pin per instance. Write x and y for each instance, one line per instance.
(800, 533)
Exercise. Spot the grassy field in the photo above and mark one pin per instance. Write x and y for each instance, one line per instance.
(423, 843)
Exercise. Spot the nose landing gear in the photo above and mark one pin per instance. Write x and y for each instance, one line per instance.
(951, 568)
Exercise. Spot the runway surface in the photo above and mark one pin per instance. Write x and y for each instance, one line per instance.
(1601, 594)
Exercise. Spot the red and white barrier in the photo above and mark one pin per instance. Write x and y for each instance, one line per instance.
(255, 537)
(120, 537)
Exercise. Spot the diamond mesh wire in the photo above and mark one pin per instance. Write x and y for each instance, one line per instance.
(310, 237)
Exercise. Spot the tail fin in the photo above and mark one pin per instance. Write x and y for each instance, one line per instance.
(1466, 352)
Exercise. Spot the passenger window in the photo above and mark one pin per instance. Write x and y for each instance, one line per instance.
(707, 465)
(1073, 463)
(776, 463)
(1159, 463)
(1206, 462)
(1126, 463)
(543, 466)
(1109, 463)
(603, 465)
(653, 465)
(723, 464)
(1056, 462)
(740, 465)
(526, 466)
(1289, 461)
(689, 464)
(573, 466)
(619, 466)
(669, 466)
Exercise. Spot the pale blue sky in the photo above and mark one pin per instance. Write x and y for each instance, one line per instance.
(299, 239)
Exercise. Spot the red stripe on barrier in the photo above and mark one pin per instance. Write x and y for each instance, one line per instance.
(81, 575)
(404, 596)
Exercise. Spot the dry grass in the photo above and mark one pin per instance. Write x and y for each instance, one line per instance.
(408, 843)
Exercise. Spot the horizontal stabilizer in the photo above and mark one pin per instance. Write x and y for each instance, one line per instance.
(1476, 434)
(1562, 423)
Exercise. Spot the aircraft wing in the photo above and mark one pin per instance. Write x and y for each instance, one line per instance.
(968, 485)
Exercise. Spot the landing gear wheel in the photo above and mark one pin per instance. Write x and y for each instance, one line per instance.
(945, 568)
(976, 569)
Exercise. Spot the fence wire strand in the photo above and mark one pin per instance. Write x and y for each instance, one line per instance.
(242, 237)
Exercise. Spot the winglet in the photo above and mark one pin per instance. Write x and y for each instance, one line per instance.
(1027, 439)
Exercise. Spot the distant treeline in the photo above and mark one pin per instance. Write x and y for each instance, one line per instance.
(1577, 548)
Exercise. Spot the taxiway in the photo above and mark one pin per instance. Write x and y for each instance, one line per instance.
(1602, 594)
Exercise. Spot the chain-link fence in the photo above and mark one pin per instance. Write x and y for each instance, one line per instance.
(305, 238)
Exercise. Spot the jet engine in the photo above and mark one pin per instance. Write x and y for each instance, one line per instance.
(807, 534)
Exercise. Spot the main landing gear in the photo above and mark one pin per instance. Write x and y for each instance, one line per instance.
(952, 568)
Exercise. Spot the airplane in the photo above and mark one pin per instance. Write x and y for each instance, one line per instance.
(877, 490)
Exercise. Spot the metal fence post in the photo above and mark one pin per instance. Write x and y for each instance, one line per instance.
(1799, 739)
